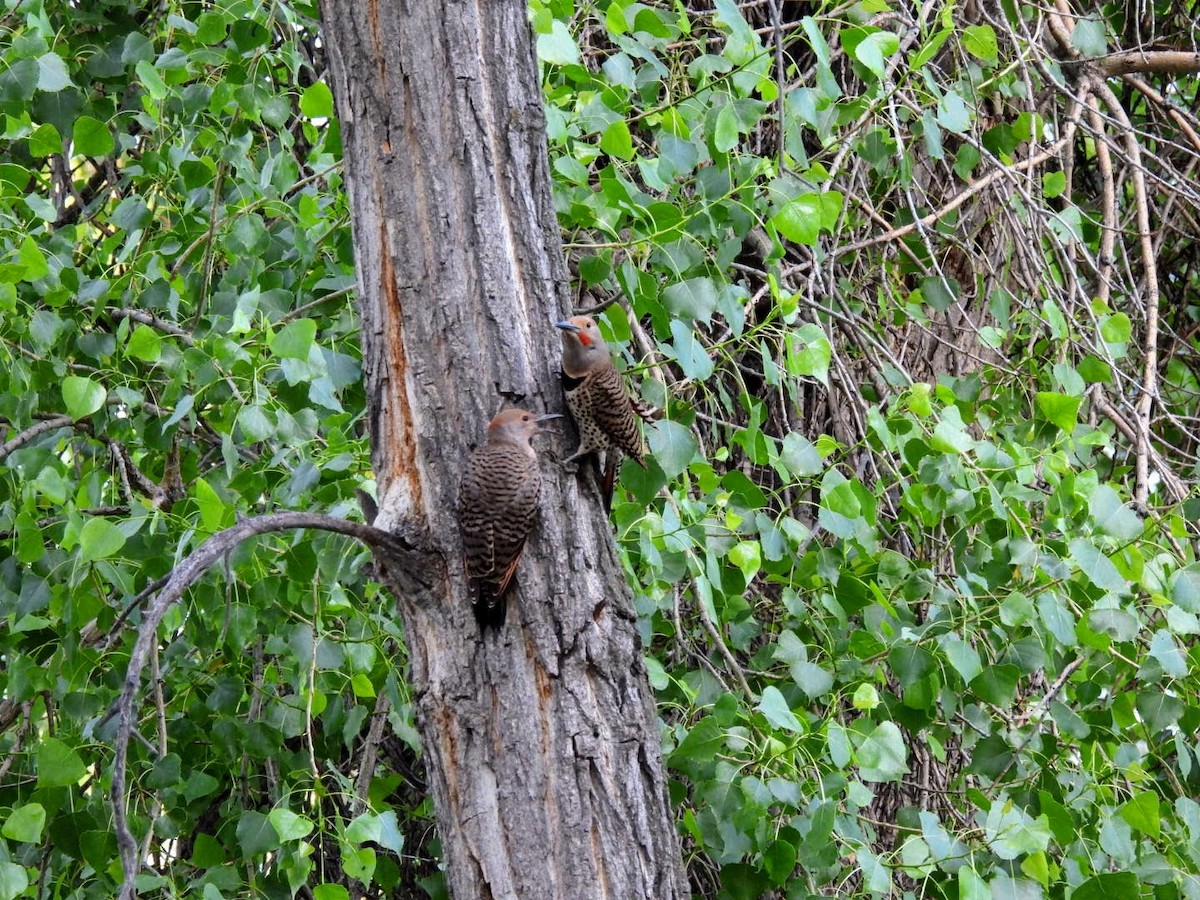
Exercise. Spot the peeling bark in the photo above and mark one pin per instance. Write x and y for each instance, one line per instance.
(541, 743)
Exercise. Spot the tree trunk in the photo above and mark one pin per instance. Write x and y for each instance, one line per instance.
(541, 743)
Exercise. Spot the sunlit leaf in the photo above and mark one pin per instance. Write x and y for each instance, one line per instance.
(775, 708)
(883, 755)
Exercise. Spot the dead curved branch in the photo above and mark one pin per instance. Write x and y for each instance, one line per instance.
(388, 546)
(34, 431)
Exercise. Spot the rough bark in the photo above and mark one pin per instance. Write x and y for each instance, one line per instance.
(542, 743)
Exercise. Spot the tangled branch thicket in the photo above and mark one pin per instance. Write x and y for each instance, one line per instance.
(1071, 197)
(1017, 205)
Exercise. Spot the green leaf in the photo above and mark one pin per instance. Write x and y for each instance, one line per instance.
(996, 684)
(778, 713)
(389, 835)
(58, 765)
(799, 219)
(963, 657)
(953, 113)
(294, 340)
(45, 141)
(965, 161)
(210, 28)
(82, 395)
(317, 101)
(91, 137)
(207, 852)
(971, 886)
(30, 545)
(1089, 36)
(1096, 566)
(1057, 618)
(557, 47)
(34, 260)
(1160, 710)
(689, 352)
(1109, 886)
(166, 772)
(52, 73)
(1142, 813)
(131, 214)
(1059, 409)
(1012, 832)
(747, 556)
(255, 833)
(13, 880)
(1053, 184)
(1112, 516)
(672, 445)
(800, 456)
(617, 140)
(874, 48)
(1116, 330)
(144, 343)
(882, 756)
(1184, 588)
(725, 132)
(939, 292)
(99, 539)
(780, 862)
(330, 892)
(288, 825)
(980, 42)
(702, 742)
(694, 298)
(212, 507)
(929, 49)
(151, 80)
(809, 352)
(25, 823)
(255, 424)
(1166, 652)
(657, 675)
(812, 679)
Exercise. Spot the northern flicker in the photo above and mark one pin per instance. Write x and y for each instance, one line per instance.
(604, 412)
(497, 506)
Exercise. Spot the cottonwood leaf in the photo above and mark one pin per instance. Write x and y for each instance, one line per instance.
(882, 756)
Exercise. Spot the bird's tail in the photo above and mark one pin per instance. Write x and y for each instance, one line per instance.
(490, 604)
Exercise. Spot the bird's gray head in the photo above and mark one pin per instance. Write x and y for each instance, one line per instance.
(583, 347)
(516, 426)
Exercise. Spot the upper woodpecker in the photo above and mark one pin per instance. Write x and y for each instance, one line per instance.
(601, 406)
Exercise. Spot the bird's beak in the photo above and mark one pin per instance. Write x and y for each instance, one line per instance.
(546, 417)
(568, 326)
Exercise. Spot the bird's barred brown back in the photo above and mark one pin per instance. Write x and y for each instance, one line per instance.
(498, 506)
(614, 412)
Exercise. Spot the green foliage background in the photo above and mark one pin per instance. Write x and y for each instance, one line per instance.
(915, 569)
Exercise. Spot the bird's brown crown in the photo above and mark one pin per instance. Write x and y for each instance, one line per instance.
(516, 425)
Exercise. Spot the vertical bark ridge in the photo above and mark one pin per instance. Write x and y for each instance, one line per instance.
(541, 743)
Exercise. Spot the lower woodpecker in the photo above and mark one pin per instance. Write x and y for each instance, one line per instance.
(497, 507)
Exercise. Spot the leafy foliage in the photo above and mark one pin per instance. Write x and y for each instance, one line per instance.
(918, 590)
(916, 599)
(180, 350)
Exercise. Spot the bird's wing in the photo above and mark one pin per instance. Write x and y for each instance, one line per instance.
(614, 412)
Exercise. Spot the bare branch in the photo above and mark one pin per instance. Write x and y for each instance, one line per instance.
(389, 546)
(1150, 263)
(156, 322)
(1126, 62)
(964, 195)
(34, 431)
